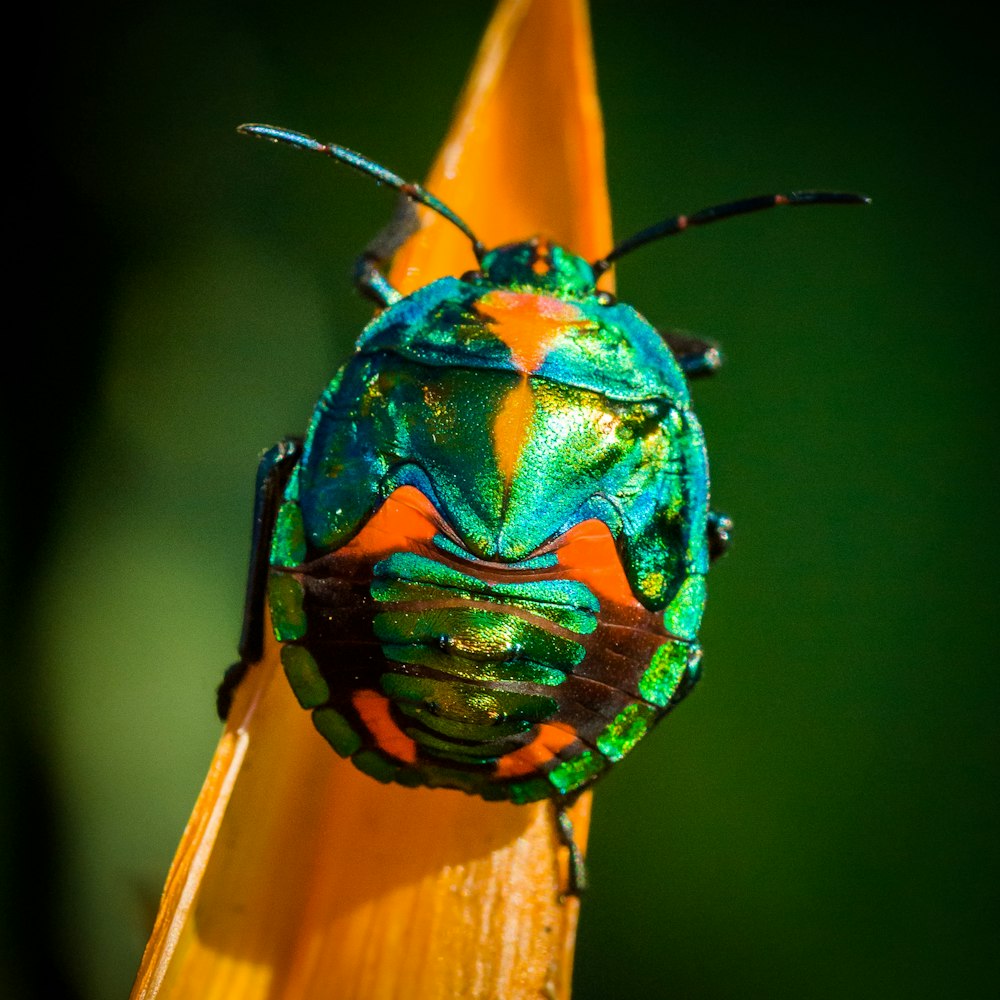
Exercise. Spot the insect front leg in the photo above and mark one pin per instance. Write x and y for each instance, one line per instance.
(275, 467)
(368, 277)
(696, 356)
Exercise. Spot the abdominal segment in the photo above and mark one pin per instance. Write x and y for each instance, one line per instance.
(428, 666)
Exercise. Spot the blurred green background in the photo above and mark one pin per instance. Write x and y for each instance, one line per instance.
(819, 820)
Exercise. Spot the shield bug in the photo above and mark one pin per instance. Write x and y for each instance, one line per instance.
(486, 559)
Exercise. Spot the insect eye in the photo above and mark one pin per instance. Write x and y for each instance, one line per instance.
(471, 276)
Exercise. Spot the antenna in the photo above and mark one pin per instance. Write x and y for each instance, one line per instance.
(361, 163)
(678, 223)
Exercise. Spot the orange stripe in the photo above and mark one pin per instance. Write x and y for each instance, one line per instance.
(588, 553)
(551, 738)
(406, 519)
(374, 711)
(510, 428)
(527, 323)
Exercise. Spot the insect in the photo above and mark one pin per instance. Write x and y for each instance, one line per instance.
(486, 560)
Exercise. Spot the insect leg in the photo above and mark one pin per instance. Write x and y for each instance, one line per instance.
(368, 277)
(720, 529)
(272, 474)
(697, 357)
(577, 865)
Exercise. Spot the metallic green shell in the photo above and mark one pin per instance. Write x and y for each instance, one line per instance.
(478, 641)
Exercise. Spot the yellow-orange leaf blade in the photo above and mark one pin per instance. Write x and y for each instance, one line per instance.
(297, 876)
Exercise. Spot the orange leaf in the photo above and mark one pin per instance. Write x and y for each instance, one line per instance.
(297, 876)
(525, 155)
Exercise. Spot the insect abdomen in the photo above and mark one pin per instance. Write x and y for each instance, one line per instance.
(506, 680)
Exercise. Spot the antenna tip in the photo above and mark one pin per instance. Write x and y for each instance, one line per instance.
(248, 128)
(287, 136)
(823, 198)
(850, 198)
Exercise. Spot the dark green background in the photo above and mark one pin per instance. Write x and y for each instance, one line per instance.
(819, 820)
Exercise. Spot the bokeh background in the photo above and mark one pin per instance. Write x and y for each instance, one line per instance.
(819, 819)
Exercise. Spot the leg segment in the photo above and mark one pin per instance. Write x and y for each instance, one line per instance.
(720, 529)
(272, 475)
(577, 865)
(368, 277)
(697, 357)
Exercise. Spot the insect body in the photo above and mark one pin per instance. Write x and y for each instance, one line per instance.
(486, 561)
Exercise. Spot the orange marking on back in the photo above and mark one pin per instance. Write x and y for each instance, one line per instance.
(588, 553)
(528, 323)
(551, 738)
(406, 519)
(374, 711)
(510, 428)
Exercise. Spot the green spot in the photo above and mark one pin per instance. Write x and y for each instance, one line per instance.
(572, 774)
(490, 791)
(409, 777)
(304, 676)
(521, 792)
(665, 672)
(284, 596)
(434, 776)
(375, 765)
(683, 615)
(289, 545)
(336, 730)
(629, 726)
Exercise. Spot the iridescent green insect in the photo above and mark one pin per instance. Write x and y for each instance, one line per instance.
(486, 560)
